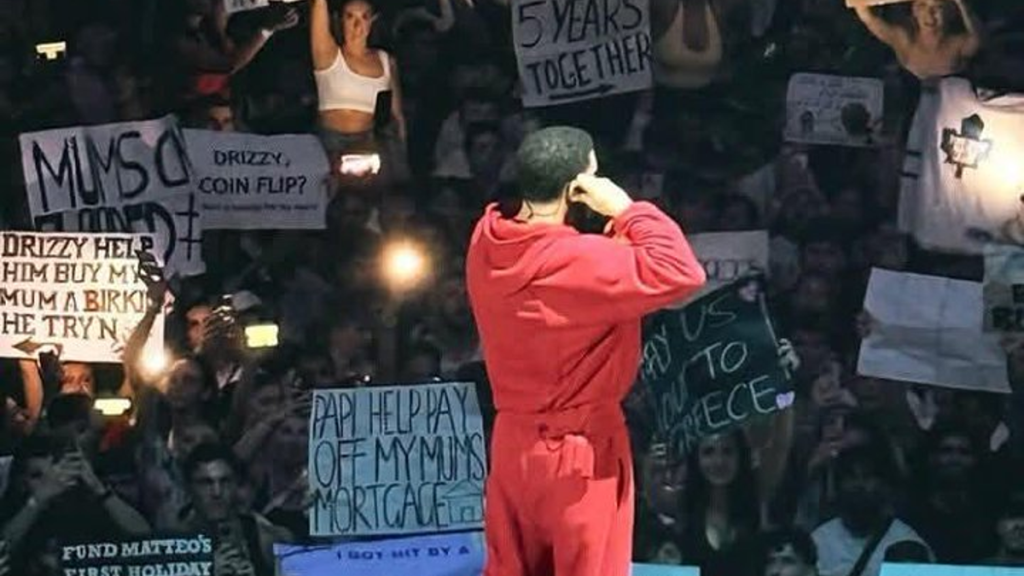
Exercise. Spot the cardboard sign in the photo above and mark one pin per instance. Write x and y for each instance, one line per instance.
(396, 459)
(77, 292)
(250, 182)
(713, 365)
(962, 180)
(1003, 291)
(570, 51)
(173, 223)
(455, 554)
(727, 256)
(928, 330)
(191, 556)
(125, 177)
(838, 110)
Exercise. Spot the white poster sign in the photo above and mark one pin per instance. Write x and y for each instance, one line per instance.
(1004, 288)
(963, 172)
(79, 293)
(248, 182)
(233, 6)
(570, 51)
(852, 3)
(125, 177)
(927, 329)
(727, 256)
(173, 222)
(837, 110)
(456, 554)
(396, 459)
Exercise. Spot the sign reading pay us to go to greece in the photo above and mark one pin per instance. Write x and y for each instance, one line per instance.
(571, 50)
(396, 460)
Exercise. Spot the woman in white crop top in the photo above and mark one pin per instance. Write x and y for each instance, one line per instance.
(350, 76)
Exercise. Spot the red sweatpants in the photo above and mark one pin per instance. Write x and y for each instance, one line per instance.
(559, 499)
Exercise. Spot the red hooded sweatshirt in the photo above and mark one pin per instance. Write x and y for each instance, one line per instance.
(559, 312)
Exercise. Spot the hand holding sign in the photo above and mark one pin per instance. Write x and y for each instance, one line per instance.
(789, 360)
(287, 20)
(152, 275)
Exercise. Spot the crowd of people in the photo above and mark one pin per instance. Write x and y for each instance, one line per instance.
(859, 471)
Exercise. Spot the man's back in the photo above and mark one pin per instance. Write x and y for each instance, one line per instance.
(559, 312)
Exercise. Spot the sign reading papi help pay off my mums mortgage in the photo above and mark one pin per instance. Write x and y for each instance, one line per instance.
(396, 460)
(571, 50)
(713, 365)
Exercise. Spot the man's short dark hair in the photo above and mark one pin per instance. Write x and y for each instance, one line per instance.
(801, 542)
(207, 453)
(550, 158)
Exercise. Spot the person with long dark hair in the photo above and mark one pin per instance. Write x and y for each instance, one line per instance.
(350, 76)
(722, 505)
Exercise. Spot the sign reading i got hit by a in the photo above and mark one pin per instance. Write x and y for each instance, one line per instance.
(713, 365)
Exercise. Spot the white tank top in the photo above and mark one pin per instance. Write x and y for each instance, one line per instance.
(340, 88)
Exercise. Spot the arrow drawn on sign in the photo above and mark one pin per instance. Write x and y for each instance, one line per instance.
(29, 347)
(596, 90)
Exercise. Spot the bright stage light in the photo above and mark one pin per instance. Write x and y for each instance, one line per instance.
(153, 364)
(405, 265)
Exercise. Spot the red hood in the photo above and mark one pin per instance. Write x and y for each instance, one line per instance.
(503, 242)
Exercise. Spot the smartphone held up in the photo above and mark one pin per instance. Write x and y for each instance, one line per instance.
(359, 164)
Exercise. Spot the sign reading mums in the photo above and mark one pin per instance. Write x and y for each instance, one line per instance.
(126, 177)
(150, 557)
(822, 109)
(713, 364)
(399, 459)
(77, 292)
(571, 50)
(247, 181)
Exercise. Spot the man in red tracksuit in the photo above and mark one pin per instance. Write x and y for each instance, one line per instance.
(559, 319)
